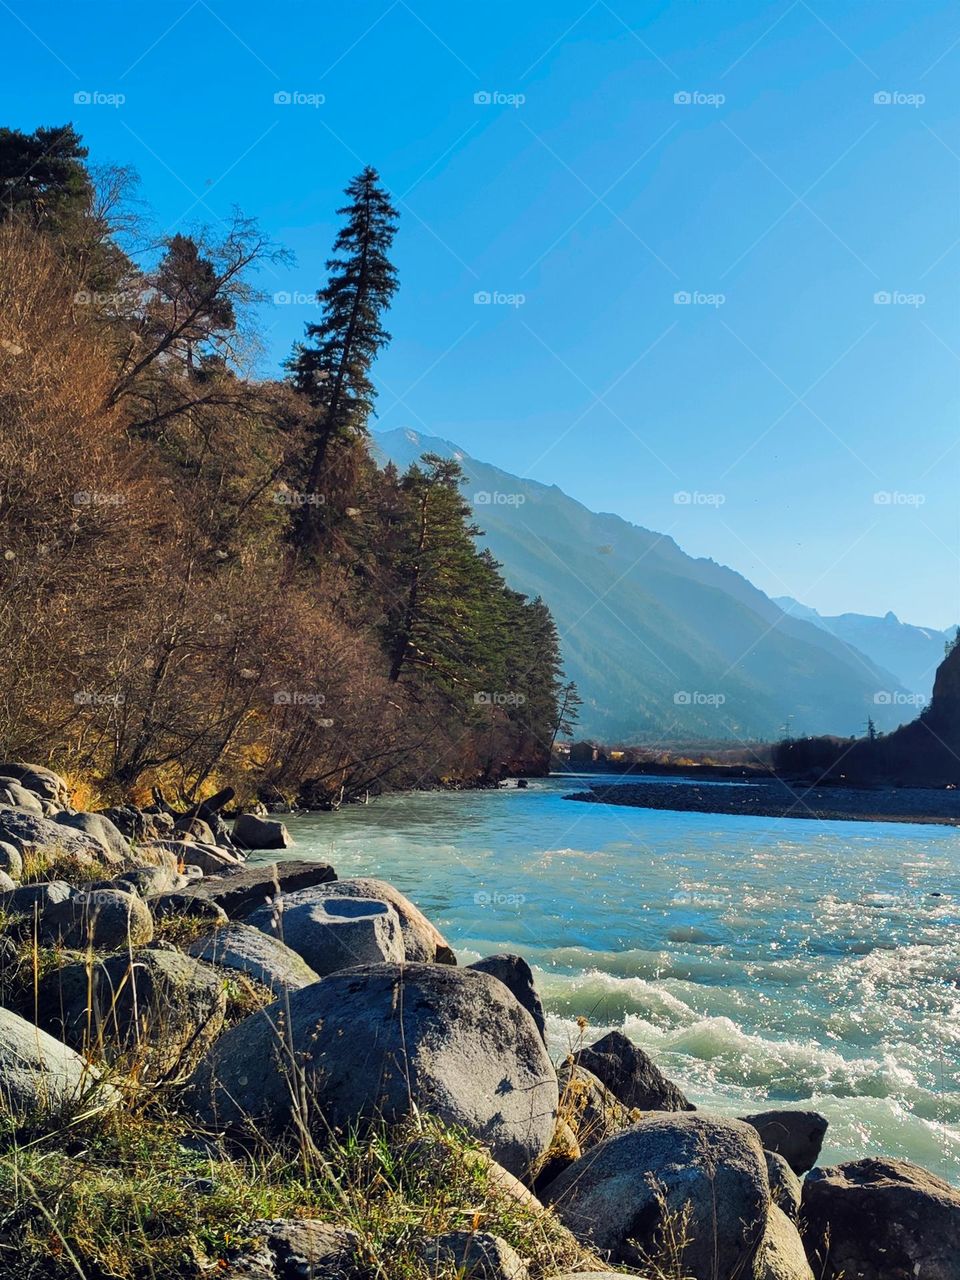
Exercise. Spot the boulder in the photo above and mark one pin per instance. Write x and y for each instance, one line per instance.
(211, 860)
(383, 1040)
(517, 976)
(881, 1219)
(28, 833)
(32, 900)
(631, 1075)
(478, 1255)
(705, 1173)
(302, 1249)
(785, 1186)
(139, 824)
(104, 919)
(588, 1106)
(160, 1010)
(10, 860)
(99, 828)
(795, 1135)
(241, 890)
(149, 881)
(7, 883)
(250, 832)
(16, 796)
(250, 951)
(193, 828)
(39, 1074)
(422, 942)
(333, 933)
(166, 905)
(781, 1255)
(40, 780)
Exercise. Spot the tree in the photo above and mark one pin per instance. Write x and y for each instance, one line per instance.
(189, 291)
(43, 177)
(568, 712)
(334, 369)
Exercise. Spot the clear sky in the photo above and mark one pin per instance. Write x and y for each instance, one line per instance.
(538, 153)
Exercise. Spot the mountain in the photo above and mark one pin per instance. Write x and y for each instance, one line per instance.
(663, 647)
(911, 653)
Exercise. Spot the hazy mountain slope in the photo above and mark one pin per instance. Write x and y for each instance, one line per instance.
(911, 653)
(660, 644)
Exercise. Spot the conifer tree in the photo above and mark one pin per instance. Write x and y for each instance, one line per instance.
(333, 367)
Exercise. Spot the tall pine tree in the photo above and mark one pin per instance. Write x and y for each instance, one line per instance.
(333, 366)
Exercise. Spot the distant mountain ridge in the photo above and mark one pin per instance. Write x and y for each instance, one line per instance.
(912, 653)
(663, 646)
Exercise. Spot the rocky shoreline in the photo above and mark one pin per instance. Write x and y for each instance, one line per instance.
(260, 1070)
(776, 798)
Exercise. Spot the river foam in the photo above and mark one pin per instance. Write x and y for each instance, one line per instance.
(757, 961)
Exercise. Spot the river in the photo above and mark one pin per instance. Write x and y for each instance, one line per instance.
(757, 960)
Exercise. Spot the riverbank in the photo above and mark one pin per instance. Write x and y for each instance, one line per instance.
(775, 798)
(294, 1072)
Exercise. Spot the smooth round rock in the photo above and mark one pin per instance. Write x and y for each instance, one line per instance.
(382, 1040)
(332, 933)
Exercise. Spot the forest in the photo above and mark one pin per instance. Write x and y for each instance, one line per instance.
(206, 578)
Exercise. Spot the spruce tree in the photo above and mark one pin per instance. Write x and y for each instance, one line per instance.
(332, 368)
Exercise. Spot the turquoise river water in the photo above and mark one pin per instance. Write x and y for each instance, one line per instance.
(758, 960)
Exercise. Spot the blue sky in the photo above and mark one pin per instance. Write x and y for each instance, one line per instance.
(813, 427)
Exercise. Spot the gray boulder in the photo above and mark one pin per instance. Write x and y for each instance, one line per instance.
(478, 1255)
(211, 860)
(301, 1249)
(40, 780)
(781, 1255)
(785, 1186)
(422, 942)
(193, 828)
(241, 890)
(7, 883)
(708, 1171)
(28, 833)
(382, 1040)
(795, 1135)
(251, 832)
(41, 1075)
(631, 1075)
(166, 905)
(588, 1106)
(16, 796)
(33, 900)
(160, 1010)
(517, 976)
(104, 919)
(139, 824)
(149, 881)
(99, 827)
(881, 1219)
(332, 933)
(10, 860)
(250, 951)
